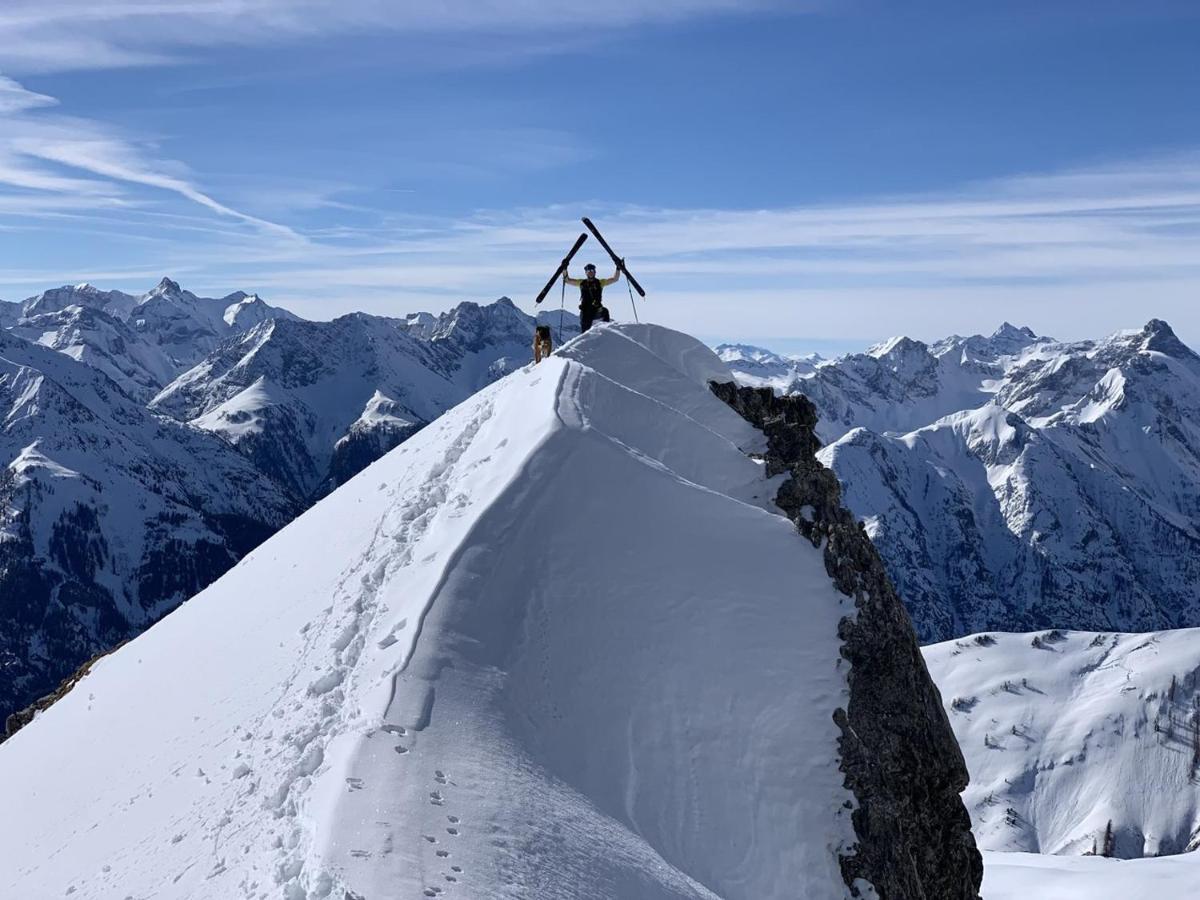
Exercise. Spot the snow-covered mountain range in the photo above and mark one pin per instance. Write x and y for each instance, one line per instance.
(1016, 482)
(510, 661)
(149, 441)
(758, 367)
(314, 402)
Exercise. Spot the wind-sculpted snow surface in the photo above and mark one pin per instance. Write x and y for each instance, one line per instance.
(1069, 735)
(560, 643)
(1015, 482)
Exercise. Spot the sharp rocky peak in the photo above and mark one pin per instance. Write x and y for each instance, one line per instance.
(898, 348)
(1009, 332)
(1159, 337)
(166, 287)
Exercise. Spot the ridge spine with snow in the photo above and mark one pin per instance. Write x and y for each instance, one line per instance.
(898, 753)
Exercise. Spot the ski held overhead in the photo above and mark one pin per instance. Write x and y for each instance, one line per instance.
(620, 263)
(562, 267)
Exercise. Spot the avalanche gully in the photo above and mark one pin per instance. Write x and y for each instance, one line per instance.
(559, 644)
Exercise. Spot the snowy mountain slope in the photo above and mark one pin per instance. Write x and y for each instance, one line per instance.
(312, 403)
(109, 515)
(117, 304)
(94, 337)
(188, 327)
(508, 660)
(1065, 732)
(1019, 876)
(9, 313)
(1056, 485)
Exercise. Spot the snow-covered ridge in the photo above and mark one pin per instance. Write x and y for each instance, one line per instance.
(509, 660)
(1067, 732)
(964, 457)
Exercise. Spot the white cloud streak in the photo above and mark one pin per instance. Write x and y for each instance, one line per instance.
(49, 161)
(14, 98)
(41, 36)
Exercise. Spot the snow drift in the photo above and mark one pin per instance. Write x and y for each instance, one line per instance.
(560, 643)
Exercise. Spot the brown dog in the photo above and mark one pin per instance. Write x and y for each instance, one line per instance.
(543, 346)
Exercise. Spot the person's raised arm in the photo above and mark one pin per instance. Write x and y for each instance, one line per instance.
(615, 277)
(568, 279)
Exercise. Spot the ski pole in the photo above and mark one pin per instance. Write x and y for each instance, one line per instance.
(562, 305)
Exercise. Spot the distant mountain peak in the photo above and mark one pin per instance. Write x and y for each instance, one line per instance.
(897, 347)
(1159, 337)
(1009, 331)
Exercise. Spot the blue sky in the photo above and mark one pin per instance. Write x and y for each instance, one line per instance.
(810, 176)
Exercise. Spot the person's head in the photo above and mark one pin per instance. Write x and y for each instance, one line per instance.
(590, 270)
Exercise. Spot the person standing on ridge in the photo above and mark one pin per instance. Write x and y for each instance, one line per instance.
(591, 292)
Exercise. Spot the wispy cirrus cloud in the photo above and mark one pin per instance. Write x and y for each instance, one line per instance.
(36, 36)
(52, 163)
(14, 98)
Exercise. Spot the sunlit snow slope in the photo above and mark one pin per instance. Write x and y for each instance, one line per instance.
(1065, 732)
(1031, 876)
(558, 644)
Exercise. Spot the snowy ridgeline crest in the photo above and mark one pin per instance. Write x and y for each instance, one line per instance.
(1078, 742)
(508, 660)
(149, 441)
(1014, 482)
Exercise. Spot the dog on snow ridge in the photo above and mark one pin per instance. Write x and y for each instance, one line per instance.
(543, 345)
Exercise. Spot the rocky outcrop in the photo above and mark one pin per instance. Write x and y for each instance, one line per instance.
(899, 755)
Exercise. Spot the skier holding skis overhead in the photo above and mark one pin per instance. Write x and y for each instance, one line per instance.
(591, 292)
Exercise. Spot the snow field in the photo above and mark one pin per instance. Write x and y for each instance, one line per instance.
(1064, 732)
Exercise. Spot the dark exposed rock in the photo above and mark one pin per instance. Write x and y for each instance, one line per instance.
(898, 753)
(18, 720)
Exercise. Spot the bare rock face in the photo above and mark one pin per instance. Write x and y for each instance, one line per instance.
(899, 755)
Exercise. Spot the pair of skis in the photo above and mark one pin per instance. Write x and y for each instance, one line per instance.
(562, 267)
